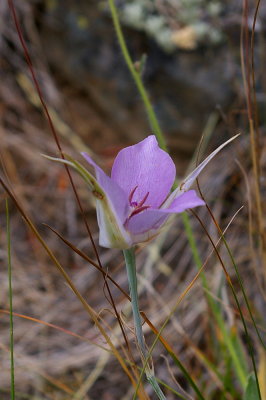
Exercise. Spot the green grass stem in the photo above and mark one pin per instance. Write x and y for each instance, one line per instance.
(250, 346)
(216, 311)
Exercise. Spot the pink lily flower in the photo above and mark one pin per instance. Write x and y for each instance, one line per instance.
(135, 203)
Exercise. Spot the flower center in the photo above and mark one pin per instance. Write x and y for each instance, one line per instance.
(137, 206)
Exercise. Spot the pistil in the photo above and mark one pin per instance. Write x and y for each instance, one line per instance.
(138, 207)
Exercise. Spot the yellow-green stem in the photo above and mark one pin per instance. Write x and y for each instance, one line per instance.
(137, 78)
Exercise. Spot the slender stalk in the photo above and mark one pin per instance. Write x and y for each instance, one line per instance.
(136, 77)
(10, 292)
(255, 162)
(133, 289)
(130, 260)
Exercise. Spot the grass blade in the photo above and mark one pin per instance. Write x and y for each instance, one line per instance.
(251, 392)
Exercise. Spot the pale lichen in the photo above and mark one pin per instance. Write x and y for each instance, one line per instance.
(173, 24)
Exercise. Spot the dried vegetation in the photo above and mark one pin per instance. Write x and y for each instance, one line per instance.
(53, 362)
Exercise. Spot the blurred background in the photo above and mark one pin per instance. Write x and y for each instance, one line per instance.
(190, 54)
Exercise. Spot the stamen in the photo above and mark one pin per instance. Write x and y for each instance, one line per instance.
(143, 200)
(131, 194)
(138, 210)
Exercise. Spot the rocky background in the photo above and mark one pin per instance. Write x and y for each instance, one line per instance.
(192, 62)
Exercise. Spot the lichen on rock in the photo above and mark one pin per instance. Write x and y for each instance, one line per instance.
(184, 24)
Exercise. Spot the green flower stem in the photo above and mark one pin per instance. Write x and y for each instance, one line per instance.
(130, 260)
(137, 77)
(133, 289)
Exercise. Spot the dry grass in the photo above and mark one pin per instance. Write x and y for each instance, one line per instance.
(52, 364)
